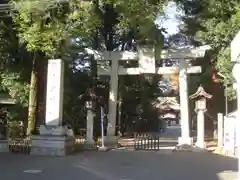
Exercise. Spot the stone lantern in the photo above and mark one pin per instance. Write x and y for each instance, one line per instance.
(89, 143)
(200, 98)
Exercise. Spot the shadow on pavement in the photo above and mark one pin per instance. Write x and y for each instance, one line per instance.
(114, 165)
(143, 165)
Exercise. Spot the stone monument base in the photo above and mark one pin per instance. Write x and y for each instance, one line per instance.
(89, 144)
(103, 149)
(224, 152)
(185, 141)
(188, 148)
(185, 144)
(200, 145)
(4, 146)
(53, 130)
(110, 142)
(50, 145)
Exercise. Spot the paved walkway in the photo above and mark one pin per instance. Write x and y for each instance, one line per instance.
(116, 165)
(173, 131)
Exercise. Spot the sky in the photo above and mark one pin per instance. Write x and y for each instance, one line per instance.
(170, 21)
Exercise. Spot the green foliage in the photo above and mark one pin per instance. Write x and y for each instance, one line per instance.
(140, 15)
(215, 23)
(18, 89)
(14, 70)
(42, 28)
(44, 25)
(224, 66)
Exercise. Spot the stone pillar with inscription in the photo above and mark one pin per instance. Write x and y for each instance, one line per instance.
(53, 138)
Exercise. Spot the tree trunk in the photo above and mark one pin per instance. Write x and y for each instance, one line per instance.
(32, 106)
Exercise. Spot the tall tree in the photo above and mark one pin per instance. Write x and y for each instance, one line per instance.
(13, 77)
(215, 23)
(42, 27)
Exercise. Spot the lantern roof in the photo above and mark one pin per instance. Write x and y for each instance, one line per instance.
(200, 93)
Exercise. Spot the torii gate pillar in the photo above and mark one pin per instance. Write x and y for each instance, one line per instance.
(184, 105)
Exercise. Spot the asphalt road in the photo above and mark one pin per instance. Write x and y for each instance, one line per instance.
(117, 165)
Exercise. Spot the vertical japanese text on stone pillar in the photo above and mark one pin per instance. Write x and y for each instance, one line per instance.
(54, 98)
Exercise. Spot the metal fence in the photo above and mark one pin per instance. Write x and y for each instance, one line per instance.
(14, 134)
(17, 142)
(147, 141)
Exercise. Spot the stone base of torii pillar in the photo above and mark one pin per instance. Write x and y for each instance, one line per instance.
(111, 141)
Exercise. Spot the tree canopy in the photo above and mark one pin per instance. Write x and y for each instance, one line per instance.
(39, 30)
(215, 23)
(45, 29)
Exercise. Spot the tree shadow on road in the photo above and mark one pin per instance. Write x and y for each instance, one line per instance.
(135, 165)
(208, 166)
(154, 165)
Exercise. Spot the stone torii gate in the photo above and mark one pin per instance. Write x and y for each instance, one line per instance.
(145, 57)
(54, 139)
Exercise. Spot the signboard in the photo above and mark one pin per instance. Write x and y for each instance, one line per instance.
(229, 137)
(146, 60)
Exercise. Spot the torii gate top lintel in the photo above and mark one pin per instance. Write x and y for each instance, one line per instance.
(146, 60)
(183, 53)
